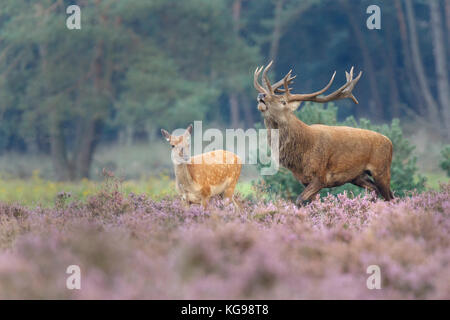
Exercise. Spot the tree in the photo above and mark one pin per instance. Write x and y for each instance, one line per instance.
(376, 106)
(431, 105)
(136, 66)
(440, 58)
(121, 69)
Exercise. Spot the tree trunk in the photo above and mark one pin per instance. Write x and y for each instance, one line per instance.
(233, 96)
(447, 19)
(432, 109)
(437, 29)
(276, 33)
(84, 152)
(57, 139)
(58, 151)
(413, 96)
(376, 107)
(248, 114)
(394, 107)
(237, 5)
(234, 108)
(87, 138)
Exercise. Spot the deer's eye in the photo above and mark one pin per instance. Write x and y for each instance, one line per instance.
(283, 102)
(173, 146)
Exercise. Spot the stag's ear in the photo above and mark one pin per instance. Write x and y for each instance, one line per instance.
(189, 129)
(294, 105)
(165, 134)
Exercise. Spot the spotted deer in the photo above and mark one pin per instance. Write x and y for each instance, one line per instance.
(203, 176)
(321, 156)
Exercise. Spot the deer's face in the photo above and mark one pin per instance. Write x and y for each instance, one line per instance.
(275, 106)
(180, 145)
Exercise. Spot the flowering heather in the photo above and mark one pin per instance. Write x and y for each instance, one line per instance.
(134, 247)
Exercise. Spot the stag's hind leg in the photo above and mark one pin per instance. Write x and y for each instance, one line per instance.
(364, 181)
(383, 182)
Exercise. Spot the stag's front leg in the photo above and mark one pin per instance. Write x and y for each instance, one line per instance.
(309, 193)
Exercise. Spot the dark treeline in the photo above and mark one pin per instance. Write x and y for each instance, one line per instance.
(137, 66)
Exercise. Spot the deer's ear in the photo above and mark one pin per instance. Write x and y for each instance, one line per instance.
(165, 134)
(189, 129)
(294, 105)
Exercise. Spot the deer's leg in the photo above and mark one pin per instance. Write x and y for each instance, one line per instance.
(364, 181)
(229, 194)
(383, 183)
(205, 195)
(186, 203)
(205, 201)
(310, 191)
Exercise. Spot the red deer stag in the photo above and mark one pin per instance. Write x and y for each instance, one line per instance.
(321, 156)
(200, 177)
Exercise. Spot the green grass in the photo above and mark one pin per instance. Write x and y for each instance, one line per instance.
(36, 191)
(435, 179)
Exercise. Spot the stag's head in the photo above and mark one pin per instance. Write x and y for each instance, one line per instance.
(276, 103)
(180, 145)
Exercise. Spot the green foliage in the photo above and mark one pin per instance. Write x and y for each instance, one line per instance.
(445, 163)
(404, 171)
(137, 66)
(129, 71)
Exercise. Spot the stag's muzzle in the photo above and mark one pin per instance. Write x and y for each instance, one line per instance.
(261, 104)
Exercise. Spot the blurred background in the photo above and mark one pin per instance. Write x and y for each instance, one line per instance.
(73, 102)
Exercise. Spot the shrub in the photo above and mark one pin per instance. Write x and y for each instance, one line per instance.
(404, 171)
(445, 163)
(264, 250)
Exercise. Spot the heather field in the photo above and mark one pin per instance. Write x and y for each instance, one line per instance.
(113, 112)
(134, 246)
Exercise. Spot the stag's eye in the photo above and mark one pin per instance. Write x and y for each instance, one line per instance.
(283, 102)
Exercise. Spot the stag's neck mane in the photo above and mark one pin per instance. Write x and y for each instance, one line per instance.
(295, 138)
(288, 126)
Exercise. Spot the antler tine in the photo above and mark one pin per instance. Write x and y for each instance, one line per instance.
(266, 79)
(256, 84)
(270, 89)
(326, 87)
(343, 92)
(346, 90)
(314, 94)
(349, 76)
(276, 86)
(287, 91)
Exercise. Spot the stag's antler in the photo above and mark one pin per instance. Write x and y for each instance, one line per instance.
(343, 92)
(256, 84)
(270, 89)
(289, 81)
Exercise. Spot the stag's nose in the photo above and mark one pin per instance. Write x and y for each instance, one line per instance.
(261, 96)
